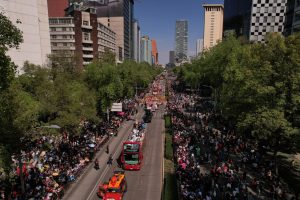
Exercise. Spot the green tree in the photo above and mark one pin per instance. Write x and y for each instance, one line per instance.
(257, 84)
(108, 57)
(10, 37)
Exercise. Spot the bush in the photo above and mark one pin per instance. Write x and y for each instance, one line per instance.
(168, 121)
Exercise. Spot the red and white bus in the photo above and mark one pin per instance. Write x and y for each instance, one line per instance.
(132, 151)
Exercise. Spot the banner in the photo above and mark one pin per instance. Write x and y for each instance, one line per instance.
(116, 107)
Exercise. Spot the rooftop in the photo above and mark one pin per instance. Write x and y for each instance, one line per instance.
(213, 5)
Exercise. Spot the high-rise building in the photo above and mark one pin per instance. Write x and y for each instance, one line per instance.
(289, 17)
(199, 47)
(237, 16)
(213, 24)
(56, 8)
(154, 53)
(33, 18)
(172, 57)
(136, 41)
(255, 18)
(181, 39)
(267, 16)
(117, 15)
(146, 47)
(81, 35)
(296, 19)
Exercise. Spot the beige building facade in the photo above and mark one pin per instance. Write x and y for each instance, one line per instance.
(213, 24)
(32, 16)
(117, 25)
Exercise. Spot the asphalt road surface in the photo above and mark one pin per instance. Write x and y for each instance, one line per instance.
(145, 184)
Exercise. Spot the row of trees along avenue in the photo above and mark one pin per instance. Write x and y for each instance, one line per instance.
(256, 87)
(59, 94)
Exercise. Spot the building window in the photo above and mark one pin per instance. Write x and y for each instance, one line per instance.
(86, 23)
(272, 18)
(86, 36)
(281, 19)
(64, 29)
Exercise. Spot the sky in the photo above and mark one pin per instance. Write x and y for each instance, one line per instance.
(157, 20)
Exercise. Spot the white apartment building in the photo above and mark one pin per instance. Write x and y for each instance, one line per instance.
(33, 18)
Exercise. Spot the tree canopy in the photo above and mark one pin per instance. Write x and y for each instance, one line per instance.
(256, 85)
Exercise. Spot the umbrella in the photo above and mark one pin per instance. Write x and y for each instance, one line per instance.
(92, 145)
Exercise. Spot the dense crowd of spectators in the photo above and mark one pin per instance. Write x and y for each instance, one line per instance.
(212, 161)
(50, 163)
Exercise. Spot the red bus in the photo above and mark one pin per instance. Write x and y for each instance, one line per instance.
(132, 151)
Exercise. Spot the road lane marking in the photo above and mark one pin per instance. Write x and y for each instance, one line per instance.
(104, 173)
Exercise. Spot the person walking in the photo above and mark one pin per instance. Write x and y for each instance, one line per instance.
(107, 149)
(110, 160)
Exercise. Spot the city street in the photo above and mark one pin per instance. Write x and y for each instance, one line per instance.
(146, 183)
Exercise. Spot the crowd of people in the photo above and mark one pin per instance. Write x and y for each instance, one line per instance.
(50, 163)
(212, 161)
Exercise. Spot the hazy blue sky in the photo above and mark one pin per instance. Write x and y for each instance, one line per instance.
(157, 19)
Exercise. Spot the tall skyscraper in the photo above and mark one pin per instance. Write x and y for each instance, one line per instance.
(289, 17)
(266, 17)
(172, 57)
(117, 15)
(296, 20)
(154, 52)
(181, 39)
(33, 15)
(255, 18)
(292, 17)
(146, 47)
(213, 24)
(136, 41)
(56, 8)
(237, 17)
(199, 47)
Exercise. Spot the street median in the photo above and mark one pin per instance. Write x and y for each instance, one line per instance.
(170, 184)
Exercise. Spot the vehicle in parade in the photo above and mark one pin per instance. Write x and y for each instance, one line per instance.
(148, 116)
(115, 188)
(132, 150)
